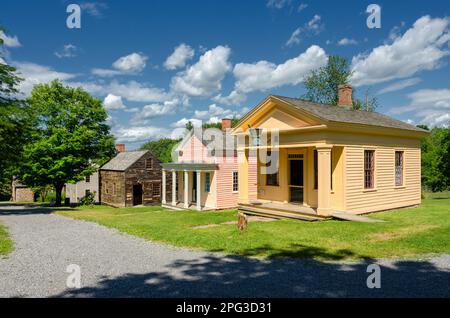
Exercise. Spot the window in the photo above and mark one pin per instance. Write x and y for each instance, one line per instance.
(207, 182)
(114, 189)
(156, 189)
(271, 179)
(88, 179)
(398, 168)
(369, 167)
(235, 181)
(149, 163)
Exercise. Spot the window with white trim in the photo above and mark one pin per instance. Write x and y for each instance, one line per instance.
(235, 181)
(207, 182)
(398, 168)
(369, 169)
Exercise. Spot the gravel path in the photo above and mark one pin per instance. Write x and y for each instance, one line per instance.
(118, 265)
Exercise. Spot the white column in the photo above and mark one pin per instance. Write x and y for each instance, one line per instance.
(199, 190)
(324, 180)
(174, 188)
(186, 189)
(163, 201)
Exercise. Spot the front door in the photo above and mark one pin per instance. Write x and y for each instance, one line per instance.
(137, 194)
(194, 187)
(296, 181)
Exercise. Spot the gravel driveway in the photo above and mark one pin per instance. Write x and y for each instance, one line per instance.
(118, 265)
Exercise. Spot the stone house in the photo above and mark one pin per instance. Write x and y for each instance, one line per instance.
(20, 192)
(132, 178)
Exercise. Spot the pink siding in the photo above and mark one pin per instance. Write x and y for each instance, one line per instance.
(194, 150)
(226, 198)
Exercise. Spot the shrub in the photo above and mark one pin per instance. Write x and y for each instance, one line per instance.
(88, 199)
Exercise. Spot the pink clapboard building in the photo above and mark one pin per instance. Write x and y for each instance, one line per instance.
(204, 171)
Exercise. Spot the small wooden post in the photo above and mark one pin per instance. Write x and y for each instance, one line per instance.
(242, 221)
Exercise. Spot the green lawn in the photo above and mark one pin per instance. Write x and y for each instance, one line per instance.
(6, 245)
(406, 232)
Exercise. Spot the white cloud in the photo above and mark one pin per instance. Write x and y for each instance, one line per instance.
(182, 122)
(140, 133)
(137, 92)
(9, 41)
(278, 4)
(94, 9)
(396, 86)
(113, 102)
(420, 48)
(347, 41)
(302, 7)
(179, 57)
(430, 106)
(130, 64)
(204, 77)
(68, 51)
(37, 74)
(264, 75)
(312, 27)
(235, 98)
(215, 114)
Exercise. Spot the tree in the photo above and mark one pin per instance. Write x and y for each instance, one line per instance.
(322, 84)
(14, 124)
(435, 160)
(162, 148)
(70, 137)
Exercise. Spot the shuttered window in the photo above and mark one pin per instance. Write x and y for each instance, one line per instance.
(369, 169)
(399, 168)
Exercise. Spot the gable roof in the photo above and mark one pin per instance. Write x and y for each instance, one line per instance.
(198, 133)
(123, 160)
(345, 115)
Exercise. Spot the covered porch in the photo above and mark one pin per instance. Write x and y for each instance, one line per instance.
(307, 184)
(193, 185)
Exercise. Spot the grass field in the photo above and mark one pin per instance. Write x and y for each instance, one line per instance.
(406, 232)
(6, 245)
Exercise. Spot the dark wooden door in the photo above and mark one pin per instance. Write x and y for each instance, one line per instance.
(296, 181)
(137, 194)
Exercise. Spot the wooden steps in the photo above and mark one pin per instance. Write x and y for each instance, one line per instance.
(278, 213)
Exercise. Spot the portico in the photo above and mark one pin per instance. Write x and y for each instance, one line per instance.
(193, 185)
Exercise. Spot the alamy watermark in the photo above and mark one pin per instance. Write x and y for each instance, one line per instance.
(73, 21)
(374, 19)
(74, 278)
(374, 279)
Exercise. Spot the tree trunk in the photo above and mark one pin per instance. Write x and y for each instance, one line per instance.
(58, 190)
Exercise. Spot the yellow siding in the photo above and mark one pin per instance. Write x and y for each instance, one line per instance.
(385, 195)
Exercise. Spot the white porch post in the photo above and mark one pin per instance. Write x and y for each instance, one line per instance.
(163, 201)
(186, 189)
(174, 188)
(199, 190)
(324, 179)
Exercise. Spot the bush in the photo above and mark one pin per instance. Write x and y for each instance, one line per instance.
(88, 199)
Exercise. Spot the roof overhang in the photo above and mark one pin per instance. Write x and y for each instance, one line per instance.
(190, 166)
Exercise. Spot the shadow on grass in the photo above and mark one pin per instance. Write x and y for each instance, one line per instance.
(234, 276)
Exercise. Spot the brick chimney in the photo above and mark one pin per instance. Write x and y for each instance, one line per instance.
(120, 148)
(226, 124)
(345, 95)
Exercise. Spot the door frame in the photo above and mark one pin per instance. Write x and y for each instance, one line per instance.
(142, 193)
(299, 154)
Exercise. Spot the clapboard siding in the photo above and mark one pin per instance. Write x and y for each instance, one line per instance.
(226, 198)
(385, 195)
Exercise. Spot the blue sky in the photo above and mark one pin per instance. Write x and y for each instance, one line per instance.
(156, 64)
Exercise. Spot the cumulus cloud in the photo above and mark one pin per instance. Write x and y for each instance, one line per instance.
(420, 48)
(37, 74)
(68, 51)
(347, 41)
(396, 86)
(215, 113)
(264, 75)
(204, 77)
(135, 134)
(301, 7)
(430, 106)
(94, 9)
(9, 41)
(113, 102)
(179, 57)
(312, 27)
(234, 98)
(130, 64)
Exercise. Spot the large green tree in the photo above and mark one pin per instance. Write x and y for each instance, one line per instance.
(162, 148)
(14, 124)
(70, 137)
(436, 160)
(322, 84)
